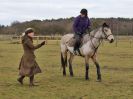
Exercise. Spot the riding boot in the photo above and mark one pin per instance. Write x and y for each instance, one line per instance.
(77, 43)
(20, 80)
(75, 48)
(31, 80)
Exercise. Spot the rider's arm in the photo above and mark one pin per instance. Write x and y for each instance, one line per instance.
(88, 26)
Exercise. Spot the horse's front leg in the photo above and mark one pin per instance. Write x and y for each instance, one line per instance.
(87, 67)
(98, 68)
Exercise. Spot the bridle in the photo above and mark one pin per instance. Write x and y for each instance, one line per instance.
(100, 40)
(106, 36)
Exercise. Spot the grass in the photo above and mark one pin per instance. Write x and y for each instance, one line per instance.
(116, 67)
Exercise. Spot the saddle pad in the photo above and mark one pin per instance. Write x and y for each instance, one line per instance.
(84, 40)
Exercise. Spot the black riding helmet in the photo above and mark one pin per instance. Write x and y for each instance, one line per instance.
(84, 12)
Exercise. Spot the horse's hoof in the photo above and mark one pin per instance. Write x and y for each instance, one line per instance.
(71, 74)
(99, 80)
(32, 85)
(87, 79)
(20, 81)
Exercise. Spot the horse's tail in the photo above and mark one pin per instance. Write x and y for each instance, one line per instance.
(63, 61)
(66, 61)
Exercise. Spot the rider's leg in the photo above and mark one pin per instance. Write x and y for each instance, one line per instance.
(77, 43)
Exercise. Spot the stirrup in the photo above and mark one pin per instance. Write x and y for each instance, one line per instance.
(74, 52)
(79, 52)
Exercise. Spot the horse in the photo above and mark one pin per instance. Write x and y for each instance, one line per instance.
(88, 49)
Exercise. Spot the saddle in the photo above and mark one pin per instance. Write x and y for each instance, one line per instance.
(84, 40)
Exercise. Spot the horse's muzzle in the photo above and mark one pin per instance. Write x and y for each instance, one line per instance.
(112, 40)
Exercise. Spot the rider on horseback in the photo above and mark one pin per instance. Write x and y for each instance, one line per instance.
(81, 24)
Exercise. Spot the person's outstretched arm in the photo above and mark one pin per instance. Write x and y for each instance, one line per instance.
(30, 44)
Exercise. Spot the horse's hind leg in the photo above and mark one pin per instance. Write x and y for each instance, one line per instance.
(98, 67)
(64, 58)
(64, 62)
(70, 64)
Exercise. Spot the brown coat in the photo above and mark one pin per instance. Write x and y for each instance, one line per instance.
(28, 65)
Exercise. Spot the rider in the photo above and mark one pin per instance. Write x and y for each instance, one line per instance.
(81, 24)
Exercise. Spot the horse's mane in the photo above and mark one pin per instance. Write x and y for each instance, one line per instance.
(87, 37)
(92, 33)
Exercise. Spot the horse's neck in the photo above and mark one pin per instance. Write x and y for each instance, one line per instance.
(96, 39)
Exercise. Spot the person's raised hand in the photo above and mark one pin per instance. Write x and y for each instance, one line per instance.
(43, 43)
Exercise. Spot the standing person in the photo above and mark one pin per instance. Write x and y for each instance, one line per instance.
(81, 24)
(28, 65)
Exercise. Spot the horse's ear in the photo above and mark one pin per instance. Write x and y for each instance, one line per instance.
(105, 25)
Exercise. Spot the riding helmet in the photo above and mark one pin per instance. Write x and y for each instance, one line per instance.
(84, 12)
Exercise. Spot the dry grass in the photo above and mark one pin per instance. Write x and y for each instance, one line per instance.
(116, 66)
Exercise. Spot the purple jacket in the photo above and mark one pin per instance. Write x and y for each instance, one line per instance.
(81, 24)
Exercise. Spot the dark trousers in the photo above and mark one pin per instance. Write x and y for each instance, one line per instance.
(78, 41)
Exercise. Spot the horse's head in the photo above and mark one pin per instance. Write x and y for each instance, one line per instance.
(106, 33)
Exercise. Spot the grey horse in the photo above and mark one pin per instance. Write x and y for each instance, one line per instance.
(88, 50)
